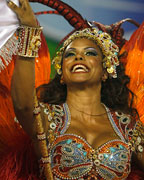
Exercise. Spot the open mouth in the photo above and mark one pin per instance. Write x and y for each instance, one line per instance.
(79, 68)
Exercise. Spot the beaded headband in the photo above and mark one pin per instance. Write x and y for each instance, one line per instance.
(103, 40)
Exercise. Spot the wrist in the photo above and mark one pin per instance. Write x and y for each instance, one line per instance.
(31, 23)
(29, 41)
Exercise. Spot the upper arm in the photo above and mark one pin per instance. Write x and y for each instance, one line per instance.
(22, 92)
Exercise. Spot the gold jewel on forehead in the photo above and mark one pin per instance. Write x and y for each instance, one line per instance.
(103, 40)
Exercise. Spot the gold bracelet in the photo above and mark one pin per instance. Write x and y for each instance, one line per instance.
(29, 41)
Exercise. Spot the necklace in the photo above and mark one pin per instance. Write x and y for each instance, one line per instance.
(87, 113)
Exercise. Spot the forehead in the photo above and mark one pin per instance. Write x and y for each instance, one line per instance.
(82, 43)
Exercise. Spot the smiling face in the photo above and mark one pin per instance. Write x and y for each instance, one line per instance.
(82, 62)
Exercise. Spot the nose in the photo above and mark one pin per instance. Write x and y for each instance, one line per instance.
(79, 57)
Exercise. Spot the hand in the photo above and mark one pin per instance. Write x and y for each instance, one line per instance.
(24, 12)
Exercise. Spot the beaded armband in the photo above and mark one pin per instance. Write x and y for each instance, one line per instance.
(29, 41)
(137, 141)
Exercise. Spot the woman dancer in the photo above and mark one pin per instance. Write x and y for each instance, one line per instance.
(88, 123)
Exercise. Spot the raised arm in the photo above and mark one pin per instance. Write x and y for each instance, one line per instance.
(23, 80)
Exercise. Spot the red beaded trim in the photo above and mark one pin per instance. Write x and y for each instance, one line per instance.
(29, 41)
(41, 136)
(45, 160)
(36, 110)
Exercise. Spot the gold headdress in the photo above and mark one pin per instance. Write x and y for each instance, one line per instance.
(109, 49)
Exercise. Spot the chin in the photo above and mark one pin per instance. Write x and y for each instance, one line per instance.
(79, 82)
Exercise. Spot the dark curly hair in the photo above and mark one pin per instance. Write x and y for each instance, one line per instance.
(114, 92)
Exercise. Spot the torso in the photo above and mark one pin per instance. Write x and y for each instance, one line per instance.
(79, 152)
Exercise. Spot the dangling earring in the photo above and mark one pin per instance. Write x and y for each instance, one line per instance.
(104, 80)
(62, 81)
(104, 77)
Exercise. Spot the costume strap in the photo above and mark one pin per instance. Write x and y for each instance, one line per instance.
(42, 140)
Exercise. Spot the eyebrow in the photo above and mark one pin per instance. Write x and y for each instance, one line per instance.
(84, 48)
(90, 48)
(71, 49)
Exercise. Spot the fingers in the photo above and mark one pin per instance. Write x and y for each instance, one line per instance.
(23, 3)
(24, 12)
(13, 6)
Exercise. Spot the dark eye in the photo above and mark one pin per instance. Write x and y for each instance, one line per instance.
(91, 53)
(69, 54)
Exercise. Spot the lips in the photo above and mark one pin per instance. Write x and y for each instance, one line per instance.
(79, 68)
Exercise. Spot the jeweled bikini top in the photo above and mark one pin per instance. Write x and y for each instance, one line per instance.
(73, 158)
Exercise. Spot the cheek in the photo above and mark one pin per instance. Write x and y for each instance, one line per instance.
(66, 64)
(98, 67)
(96, 63)
(65, 70)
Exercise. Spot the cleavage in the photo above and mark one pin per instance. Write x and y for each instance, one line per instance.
(96, 135)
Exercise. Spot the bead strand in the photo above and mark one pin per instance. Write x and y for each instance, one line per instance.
(42, 143)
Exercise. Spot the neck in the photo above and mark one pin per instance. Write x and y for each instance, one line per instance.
(85, 99)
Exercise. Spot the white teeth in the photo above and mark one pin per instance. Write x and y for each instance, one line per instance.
(79, 68)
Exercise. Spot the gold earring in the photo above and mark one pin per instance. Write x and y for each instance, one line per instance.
(104, 77)
(104, 80)
(62, 81)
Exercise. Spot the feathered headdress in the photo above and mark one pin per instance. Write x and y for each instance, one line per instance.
(11, 134)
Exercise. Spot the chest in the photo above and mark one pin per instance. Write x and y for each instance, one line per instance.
(96, 133)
